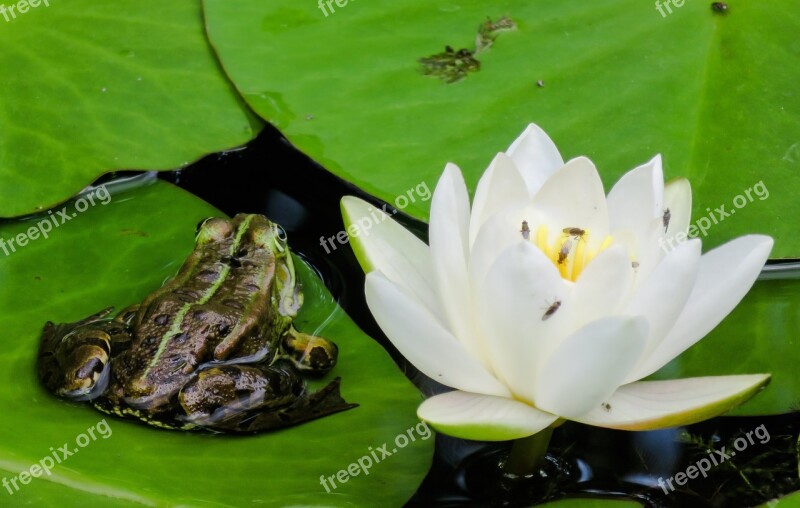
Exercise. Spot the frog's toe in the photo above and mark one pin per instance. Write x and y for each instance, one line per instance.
(127, 314)
(310, 354)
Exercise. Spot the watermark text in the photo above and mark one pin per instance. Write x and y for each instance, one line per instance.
(44, 226)
(375, 456)
(57, 456)
(714, 459)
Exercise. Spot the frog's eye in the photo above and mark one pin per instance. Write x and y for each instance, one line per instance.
(282, 236)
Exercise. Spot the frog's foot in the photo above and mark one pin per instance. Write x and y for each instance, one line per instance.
(253, 398)
(309, 354)
(127, 314)
(321, 403)
(73, 359)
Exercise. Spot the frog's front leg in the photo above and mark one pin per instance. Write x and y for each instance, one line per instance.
(252, 398)
(309, 353)
(73, 360)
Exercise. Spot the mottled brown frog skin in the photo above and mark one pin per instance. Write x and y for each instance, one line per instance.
(212, 348)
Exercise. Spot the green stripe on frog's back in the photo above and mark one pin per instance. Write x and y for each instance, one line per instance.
(177, 322)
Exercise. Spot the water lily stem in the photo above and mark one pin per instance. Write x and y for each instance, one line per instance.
(527, 454)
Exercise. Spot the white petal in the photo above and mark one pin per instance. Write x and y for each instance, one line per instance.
(382, 244)
(603, 285)
(648, 405)
(650, 251)
(724, 276)
(590, 365)
(536, 157)
(483, 417)
(511, 304)
(574, 197)
(449, 229)
(420, 338)
(678, 199)
(637, 198)
(497, 234)
(662, 297)
(500, 187)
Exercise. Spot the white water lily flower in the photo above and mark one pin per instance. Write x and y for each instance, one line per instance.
(560, 316)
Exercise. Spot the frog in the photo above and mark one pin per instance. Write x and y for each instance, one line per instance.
(213, 348)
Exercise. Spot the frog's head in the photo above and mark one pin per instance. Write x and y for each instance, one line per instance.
(74, 357)
(244, 229)
(250, 230)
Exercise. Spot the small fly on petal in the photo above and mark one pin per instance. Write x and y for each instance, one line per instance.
(564, 252)
(526, 231)
(665, 219)
(576, 233)
(551, 310)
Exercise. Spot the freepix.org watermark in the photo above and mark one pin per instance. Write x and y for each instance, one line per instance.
(329, 3)
(714, 459)
(57, 456)
(365, 223)
(10, 12)
(367, 461)
(53, 220)
(713, 217)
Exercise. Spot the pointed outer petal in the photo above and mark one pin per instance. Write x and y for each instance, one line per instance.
(517, 291)
(603, 286)
(383, 244)
(420, 338)
(678, 198)
(590, 365)
(483, 417)
(650, 405)
(499, 233)
(724, 276)
(500, 187)
(637, 198)
(574, 197)
(448, 232)
(536, 157)
(662, 297)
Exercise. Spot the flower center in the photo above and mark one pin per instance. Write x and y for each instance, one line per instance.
(570, 252)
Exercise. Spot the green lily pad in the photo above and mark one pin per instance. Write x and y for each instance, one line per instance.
(117, 253)
(91, 87)
(789, 501)
(714, 93)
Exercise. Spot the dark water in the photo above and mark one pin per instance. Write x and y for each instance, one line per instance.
(269, 176)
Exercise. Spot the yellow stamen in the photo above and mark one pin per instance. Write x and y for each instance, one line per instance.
(578, 253)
